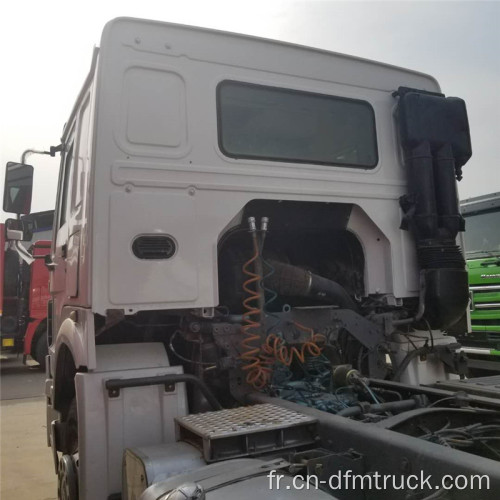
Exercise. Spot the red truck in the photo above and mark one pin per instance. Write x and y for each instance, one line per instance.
(25, 289)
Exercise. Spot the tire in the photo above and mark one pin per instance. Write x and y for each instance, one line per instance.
(67, 479)
(71, 433)
(67, 484)
(9, 324)
(41, 350)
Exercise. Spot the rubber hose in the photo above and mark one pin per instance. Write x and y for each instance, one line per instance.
(396, 406)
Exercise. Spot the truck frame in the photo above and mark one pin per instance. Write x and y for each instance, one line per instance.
(255, 265)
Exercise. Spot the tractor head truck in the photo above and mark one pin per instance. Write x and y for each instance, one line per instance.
(256, 267)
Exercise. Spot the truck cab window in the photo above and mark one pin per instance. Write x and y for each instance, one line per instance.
(278, 124)
(68, 168)
(81, 158)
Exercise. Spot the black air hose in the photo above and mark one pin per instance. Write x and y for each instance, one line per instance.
(396, 406)
(293, 281)
(406, 361)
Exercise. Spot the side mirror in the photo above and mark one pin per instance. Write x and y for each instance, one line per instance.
(18, 229)
(18, 188)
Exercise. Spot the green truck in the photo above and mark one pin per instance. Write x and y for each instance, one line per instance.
(482, 243)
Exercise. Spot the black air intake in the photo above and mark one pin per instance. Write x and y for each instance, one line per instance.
(154, 247)
(441, 257)
(434, 133)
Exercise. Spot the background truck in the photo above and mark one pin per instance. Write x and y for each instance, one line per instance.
(25, 289)
(482, 243)
(254, 268)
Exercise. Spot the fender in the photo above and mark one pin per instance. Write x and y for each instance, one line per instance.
(77, 333)
(71, 334)
(30, 333)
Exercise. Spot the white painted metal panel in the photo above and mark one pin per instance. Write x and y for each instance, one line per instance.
(133, 281)
(175, 157)
(138, 416)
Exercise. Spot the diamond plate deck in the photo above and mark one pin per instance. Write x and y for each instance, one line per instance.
(244, 420)
(260, 428)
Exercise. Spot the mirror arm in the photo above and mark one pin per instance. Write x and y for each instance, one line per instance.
(52, 152)
(56, 149)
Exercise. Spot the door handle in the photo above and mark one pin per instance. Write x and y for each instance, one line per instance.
(64, 251)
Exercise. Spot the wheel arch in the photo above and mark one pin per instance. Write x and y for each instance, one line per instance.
(70, 358)
(64, 380)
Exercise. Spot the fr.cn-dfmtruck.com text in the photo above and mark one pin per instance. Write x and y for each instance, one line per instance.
(345, 480)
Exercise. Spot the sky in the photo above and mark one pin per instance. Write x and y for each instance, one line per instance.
(46, 49)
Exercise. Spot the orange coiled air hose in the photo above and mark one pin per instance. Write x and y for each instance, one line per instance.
(275, 349)
(258, 375)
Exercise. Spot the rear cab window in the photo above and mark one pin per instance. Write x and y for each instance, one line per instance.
(270, 123)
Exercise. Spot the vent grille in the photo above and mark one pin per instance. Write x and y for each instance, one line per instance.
(154, 247)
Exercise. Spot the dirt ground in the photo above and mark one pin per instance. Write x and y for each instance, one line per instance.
(27, 470)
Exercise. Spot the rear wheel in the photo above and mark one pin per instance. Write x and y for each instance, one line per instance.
(67, 475)
(39, 346)
(67, 483)
(71, 430)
